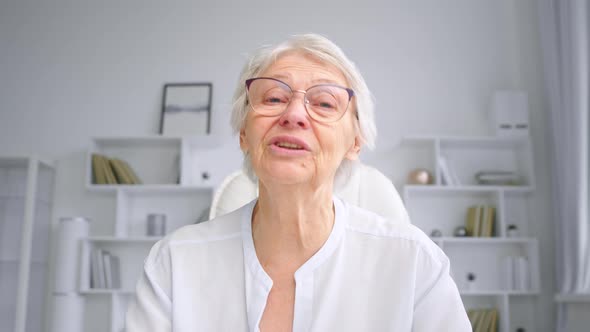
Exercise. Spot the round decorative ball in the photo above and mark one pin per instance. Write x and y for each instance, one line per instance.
(420, 176)
(436, 233)
(460, 231)
(512, 230)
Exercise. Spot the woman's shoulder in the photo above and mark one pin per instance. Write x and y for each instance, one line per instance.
(216, 228)
(222, 228)
(365, 223)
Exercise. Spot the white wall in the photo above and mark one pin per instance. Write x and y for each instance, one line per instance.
(71, 70)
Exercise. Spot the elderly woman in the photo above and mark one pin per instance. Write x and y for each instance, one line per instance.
(297, 258)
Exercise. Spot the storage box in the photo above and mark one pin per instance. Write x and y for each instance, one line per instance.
(510, 113)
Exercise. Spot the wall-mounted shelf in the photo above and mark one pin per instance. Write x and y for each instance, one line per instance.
(178, 176)
(490, 262)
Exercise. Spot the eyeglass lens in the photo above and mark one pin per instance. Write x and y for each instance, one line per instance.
(324, 102)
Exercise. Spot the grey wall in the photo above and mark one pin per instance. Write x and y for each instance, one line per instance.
(75, 69)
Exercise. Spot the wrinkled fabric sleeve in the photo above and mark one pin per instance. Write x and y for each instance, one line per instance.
(151, 307)
(438, 305)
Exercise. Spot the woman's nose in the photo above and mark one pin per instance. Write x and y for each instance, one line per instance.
(295, 114)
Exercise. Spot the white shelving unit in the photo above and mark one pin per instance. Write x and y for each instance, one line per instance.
(444, 208)
(26, 191)
(178, 178)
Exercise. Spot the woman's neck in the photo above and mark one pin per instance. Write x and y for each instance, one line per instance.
(290, 224)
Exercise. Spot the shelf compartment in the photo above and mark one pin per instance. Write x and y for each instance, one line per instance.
(412, 154)
(97, 309)
(119, 310)
(155, 159)
(467, 157)
(41, 232)
(200, 160)
(489, 301)
(182, 207)
(470, 188)
(499, 292)
(9, 281)
(572, 298)
(522, 313)
(13, 177)
(101, 292)
(484, 240)
(160, 188)
(36, 296)
(11, 226)
(516, 212)
(131, 257)
(449, 208)
(125, 240)
(488, 262)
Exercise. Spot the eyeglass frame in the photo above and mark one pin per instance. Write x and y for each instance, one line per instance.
(350, 92)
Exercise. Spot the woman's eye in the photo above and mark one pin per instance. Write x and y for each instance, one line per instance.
(325, 104)
(275, 99)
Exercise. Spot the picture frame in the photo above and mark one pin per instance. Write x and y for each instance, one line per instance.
(186, 109)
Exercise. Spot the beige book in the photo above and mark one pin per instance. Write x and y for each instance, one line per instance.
(130, 172)
(470, 220)
(478, 218)
(494, 324)
(491, 218)
(98, 173)
(119, 170)
(483, 324)
(472, 315)
(477, 318)
(110, 176)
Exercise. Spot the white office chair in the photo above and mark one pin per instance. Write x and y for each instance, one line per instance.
(366, 187)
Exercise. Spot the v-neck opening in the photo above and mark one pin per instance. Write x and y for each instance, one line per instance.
(260, 283)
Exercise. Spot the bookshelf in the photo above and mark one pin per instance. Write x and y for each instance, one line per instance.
(178, 176)
(443, 205)
(26, 191)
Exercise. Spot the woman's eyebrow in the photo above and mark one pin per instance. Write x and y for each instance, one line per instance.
(287, 77)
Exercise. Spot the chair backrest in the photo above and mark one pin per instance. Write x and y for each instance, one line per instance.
(366, 187)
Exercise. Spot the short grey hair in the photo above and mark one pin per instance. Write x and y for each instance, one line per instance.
(325, 50)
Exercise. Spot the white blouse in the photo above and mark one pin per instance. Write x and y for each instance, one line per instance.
(371, 275)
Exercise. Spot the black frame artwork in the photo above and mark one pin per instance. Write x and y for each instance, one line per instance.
(186, 109)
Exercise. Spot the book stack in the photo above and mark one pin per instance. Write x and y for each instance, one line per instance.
(107, 170)
(497, 178)
(483, 320)
(105, 270)
(480, 221)
(517, 273)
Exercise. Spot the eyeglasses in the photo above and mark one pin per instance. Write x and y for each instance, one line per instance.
(324, 102)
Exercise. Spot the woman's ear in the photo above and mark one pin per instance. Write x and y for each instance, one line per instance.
(355, 149)
(243, 145)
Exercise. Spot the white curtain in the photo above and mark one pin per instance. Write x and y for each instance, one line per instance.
(564, 38)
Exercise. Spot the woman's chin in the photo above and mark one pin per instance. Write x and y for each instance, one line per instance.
(285, 173)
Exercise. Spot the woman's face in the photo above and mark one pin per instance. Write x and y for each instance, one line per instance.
(321, 147)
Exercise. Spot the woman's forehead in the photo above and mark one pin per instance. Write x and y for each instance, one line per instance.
(299, 67)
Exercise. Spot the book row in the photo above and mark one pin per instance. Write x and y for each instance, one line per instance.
(107, 170)
(105, 270)
(480, 221)
(483, 320)
(517, 273)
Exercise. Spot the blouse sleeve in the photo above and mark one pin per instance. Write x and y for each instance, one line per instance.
(151, 307)
(438, 305)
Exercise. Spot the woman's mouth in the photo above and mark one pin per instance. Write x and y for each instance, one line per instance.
(287, 145)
